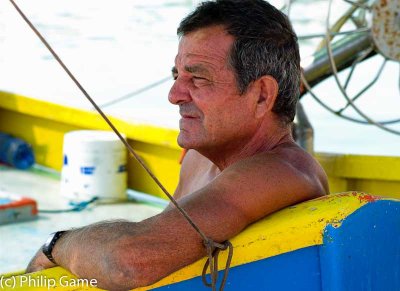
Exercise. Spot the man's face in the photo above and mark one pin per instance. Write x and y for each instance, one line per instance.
(214, 114)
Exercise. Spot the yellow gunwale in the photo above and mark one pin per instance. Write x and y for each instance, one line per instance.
(87, 119)
(375, 174)
(290, 229)
(43, 125)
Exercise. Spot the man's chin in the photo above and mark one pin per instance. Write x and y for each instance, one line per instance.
(185, 142)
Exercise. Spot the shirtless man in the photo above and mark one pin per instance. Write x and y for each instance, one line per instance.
(237, 80)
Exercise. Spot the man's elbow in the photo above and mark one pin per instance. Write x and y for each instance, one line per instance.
(131, 270)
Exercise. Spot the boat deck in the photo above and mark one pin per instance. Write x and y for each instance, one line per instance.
(19, 241)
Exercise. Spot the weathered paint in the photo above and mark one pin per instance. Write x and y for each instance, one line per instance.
(369, 198)
(386, 28)
(364, 253)
(284, 232)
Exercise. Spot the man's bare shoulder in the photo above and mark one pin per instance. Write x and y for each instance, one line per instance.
(303, 162)
(256, 186)
(287, 163)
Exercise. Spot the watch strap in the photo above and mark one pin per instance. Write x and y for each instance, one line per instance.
(47, 248)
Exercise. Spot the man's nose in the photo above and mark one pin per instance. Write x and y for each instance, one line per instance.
(179, 93)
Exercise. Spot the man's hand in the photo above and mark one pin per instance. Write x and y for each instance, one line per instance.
(39, 262)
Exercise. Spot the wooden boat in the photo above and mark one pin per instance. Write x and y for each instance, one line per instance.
(323, 244)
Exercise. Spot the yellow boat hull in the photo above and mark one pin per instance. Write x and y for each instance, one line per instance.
(336, 242)
(44, 124)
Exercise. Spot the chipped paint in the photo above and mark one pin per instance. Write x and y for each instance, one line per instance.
(368, 198)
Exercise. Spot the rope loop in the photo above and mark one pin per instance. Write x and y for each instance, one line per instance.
(213, 250)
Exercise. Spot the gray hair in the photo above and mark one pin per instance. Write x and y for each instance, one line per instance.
(265, 44)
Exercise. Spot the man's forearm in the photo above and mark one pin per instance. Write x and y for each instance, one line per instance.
(90, 252)
(123, 255)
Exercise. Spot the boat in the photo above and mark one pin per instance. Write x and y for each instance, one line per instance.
(43, 125)
(312, 241)
(349, 240)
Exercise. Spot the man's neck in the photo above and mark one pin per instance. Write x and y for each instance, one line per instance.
(264, 140)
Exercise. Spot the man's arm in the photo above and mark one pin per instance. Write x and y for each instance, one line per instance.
(124, 255)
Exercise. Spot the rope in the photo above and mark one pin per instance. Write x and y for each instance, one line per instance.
(213, 250)
(210, 244)
(76, 207)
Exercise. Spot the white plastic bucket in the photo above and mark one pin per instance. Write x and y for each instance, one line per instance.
(94, 166)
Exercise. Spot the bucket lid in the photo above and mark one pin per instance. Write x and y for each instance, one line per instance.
(93, 140)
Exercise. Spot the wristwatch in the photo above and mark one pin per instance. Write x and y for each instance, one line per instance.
(49, 244)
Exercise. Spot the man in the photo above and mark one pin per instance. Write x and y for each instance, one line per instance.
(237, 81)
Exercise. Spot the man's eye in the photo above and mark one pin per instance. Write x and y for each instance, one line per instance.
(200, 81)
(199, 78)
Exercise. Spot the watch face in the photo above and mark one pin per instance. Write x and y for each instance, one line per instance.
(49, 244)
(49, 239)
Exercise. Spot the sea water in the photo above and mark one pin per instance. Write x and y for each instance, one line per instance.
(118, 47)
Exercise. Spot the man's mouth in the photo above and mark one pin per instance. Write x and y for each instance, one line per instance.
(188, 116)
(187, 120)
(189, 111)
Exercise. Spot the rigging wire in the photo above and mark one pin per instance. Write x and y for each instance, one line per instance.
(135, 93)
(359, 4)
(370, 84)
(360, 58)
(342, 90)
(323, 35)
(210, 245)
(338, 113)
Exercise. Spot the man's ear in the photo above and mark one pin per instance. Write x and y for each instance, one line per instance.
(268, 92)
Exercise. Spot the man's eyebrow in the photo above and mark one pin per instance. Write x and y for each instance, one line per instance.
(174, 70)
(196, 69)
